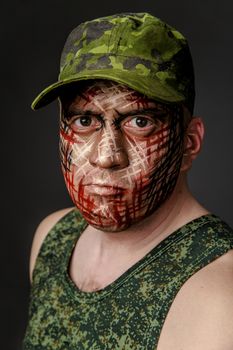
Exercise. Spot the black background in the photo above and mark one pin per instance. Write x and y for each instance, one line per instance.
(32, 37)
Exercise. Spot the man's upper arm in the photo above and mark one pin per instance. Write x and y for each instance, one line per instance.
(214, 327)
(202, 316)
(40, 234)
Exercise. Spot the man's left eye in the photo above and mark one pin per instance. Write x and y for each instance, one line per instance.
(139, 125)
(140, 122)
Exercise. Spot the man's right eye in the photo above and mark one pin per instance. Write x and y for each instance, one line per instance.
(84, 124)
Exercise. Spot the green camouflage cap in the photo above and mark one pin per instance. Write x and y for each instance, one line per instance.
(134, 49)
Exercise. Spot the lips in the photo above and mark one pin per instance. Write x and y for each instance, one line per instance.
(104, 190)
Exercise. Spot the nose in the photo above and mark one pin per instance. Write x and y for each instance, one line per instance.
(109, 151)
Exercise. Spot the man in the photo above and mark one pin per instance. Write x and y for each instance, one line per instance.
(139, 263)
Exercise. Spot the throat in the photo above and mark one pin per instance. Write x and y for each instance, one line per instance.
(92, 277)
(93, 267)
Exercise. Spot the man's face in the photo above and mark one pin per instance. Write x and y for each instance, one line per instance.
(121, 153)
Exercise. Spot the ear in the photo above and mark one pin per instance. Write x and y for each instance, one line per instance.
(193, 142)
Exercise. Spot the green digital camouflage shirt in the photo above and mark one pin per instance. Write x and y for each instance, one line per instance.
(130, 312)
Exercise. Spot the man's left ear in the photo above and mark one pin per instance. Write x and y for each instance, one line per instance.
(194, 135)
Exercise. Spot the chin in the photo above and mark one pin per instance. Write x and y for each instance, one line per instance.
(112, 220)
(123, 226)
(108, 220)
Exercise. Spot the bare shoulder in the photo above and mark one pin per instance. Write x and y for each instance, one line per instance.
(201, 316)
(41, 232)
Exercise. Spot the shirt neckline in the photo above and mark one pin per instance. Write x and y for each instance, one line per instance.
(90, 297)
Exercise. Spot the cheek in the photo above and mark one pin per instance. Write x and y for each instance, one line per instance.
(74, 153)
(75, 164)
(145, 155)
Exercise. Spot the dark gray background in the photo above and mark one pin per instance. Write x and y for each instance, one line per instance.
(32, 37)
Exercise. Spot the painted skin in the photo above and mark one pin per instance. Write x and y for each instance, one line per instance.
(121, 153)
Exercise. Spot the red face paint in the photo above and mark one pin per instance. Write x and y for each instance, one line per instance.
(121, 153)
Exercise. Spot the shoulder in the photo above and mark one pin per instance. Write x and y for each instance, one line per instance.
(42, 230)
(201, 316)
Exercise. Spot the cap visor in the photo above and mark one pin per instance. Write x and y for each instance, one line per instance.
(151, 87)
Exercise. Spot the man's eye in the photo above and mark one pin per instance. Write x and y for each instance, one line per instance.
(140, 125)
(140, 122)
(85, 123)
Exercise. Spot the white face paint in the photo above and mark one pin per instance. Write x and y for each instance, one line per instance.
(121, 153)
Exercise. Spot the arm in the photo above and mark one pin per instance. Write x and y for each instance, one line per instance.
(201, 316)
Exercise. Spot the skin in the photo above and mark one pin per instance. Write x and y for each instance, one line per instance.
(121, 153)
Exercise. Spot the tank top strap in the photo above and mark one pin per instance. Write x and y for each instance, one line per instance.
(57, 244)
(196, 245)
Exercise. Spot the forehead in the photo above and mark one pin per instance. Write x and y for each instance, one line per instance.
(104, 94)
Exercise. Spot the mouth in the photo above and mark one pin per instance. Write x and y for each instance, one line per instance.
(104, 190)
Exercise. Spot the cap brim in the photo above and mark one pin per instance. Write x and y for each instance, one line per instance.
(151, 87)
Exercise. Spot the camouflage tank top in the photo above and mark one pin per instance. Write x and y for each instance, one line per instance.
(130, 312)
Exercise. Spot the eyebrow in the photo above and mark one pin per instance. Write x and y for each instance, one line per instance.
(155, 111)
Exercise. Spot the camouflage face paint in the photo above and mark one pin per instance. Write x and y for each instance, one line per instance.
(121, 153)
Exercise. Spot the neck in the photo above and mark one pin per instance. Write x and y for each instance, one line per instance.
(178, 210)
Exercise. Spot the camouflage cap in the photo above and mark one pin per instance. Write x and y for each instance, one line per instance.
(135, 49)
